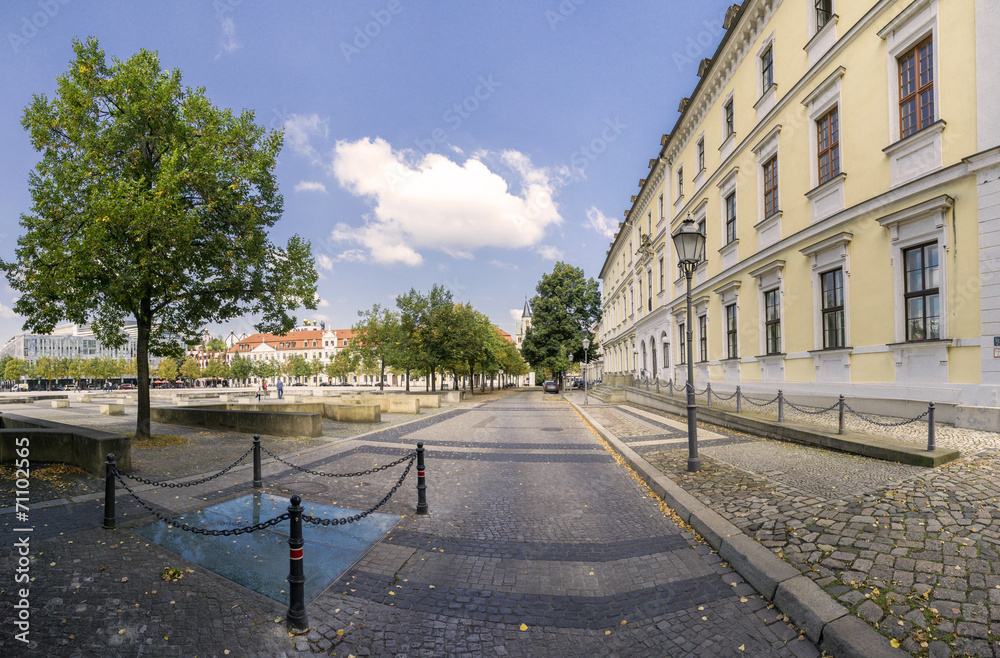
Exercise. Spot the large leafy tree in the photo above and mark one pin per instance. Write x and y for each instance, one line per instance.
(150, 203)
(376, 340)
(565, 309)
(425, 321)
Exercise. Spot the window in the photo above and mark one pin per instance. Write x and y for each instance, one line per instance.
(916, 88)
(680, 182)
(727, 110)
(649, 222)
(649, 291)
(731, 218)
(661, 273)
(703, 337)
(701, 154)
(824, 10)
(828, 146)
(922, 298)
(771, 187)
(701, 228)
(767, 69)
(832, 295)
(772, 322)
(683, 343)
(731, 331)
(661, 207)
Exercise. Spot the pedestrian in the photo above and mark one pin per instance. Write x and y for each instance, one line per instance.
(281, 389)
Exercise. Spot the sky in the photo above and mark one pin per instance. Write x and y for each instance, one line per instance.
(467, 144)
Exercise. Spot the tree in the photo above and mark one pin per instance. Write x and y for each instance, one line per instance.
(166, 370)
(241, 368)
(376, 340)
(150, 203)
(216, 345)
(425, 319)
(190, 369)
(341, 365)
(564, 310)
(16, 368)
(216, 369)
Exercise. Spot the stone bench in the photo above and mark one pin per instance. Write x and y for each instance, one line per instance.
(86, 398)
(60, 404)
(67, 444)
(112, 409)
(427, 400)
(292, 399)
(242, 418)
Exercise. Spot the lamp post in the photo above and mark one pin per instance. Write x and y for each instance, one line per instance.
(690, 245)
(586, 362)
(635, 362)
(564, 378)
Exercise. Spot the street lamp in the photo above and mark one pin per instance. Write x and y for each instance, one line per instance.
(564, 377)
(690, 245)
(586, 362)
(635, 360)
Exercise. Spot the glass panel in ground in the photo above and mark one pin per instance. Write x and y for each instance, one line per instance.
(259, 560)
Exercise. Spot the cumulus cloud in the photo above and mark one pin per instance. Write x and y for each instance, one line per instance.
(324, 262)
(7, 313)
(515, 314)
(310, 186)
(502, 265)
(550, 253)
(322, 303)
(422, 202)
(300, 130)
(603, 225)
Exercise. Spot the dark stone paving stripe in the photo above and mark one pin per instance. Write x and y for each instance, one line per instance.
(673, 431)
(498, 445)
(543, 550)
(491, 456)
(586, 612)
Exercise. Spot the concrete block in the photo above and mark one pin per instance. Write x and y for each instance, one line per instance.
(807, 605)
(403, 404)
(712, 527)
(60, 404)
(112, 409)
(850, 637)
(453, 397)
(353, 413)
(759, 566)
(225, 397)
(85, 398)
(292, 399)
(427, 401)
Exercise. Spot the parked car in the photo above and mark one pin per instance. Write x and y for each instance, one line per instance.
(127, 387)
(550, 386)
(298, 384)
(324, 384)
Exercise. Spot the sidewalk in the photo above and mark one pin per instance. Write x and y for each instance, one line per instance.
(911, 551)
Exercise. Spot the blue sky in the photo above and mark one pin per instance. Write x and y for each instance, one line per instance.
(470, 144)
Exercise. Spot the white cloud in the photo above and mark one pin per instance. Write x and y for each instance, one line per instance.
(301, 128)
(423, 202)
(550, 253)
(310, 186)
(502, 265)
(228, 41)
(322, 303)
(324, 262)
(7, 313)
(515, 315)
(603, 225)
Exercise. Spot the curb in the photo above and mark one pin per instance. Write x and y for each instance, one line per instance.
(825, 622)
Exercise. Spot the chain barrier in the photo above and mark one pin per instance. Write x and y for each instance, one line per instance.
(719, 396)
(813, 412)
(357, 517)
(760, 404)
(881, 424)
(228, 532)
(369, 471)
(179, 485)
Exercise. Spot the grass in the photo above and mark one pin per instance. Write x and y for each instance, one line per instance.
(157, 440)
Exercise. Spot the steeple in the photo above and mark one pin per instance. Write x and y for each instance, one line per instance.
(527, 310)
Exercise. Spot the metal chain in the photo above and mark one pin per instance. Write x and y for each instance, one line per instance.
(411, 455)
(760, 404)
(881, 424)
(358, 517)
(178, 485)
(815, 413)
(723, 397)
(229, 532)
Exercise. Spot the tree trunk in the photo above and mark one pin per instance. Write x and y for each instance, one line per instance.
(433, 379)
(142, 371)
(381, 377)
(407, 380)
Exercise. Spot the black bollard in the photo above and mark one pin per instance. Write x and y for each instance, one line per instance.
(930, 428)
(109, 492)
(708, 391)
(421, 486)
(781, 407)
(840, 415)
(296, 615)
(257, 481)
(739, 402)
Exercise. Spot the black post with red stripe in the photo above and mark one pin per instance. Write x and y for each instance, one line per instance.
(296, 615)
(421, 487)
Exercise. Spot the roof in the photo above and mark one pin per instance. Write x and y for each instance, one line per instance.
(526, 313)
(293, 340)
(504, 335)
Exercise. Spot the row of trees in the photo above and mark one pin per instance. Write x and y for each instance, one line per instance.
(13, 369)
(430, 334)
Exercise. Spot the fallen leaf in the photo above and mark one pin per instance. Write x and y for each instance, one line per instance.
(523, 627)
(894, 643)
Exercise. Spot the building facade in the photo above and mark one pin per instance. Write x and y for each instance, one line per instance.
(70, 341)
(843, 160)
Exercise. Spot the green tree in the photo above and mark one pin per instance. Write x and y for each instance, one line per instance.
(241, 368)
(341, 366)
(267, 369)
(566, 306)
(376, 340)
(425, 320)
(45, 368)
(151, 203)
(315, 367)
(217, 369)
(166, 370)
(190, 369)
(15, 369)
(216, 345)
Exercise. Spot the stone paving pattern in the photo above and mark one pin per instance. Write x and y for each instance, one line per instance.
(528, 530)
(912, 551)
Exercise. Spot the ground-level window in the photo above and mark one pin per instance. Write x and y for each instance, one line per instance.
(772, 322)
(683, 343)
(922, 296)
(703, 337)
(731, 329)
(832, 294)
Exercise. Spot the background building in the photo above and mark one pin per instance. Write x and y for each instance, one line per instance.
(70, 341)
(843, 161)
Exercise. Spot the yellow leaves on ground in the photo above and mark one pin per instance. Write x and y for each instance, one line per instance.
(894, 642)
(523, 627)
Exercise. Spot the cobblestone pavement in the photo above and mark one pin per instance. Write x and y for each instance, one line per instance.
(913, 551)
(538, 543)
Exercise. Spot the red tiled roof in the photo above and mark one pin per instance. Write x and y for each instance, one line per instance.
(293, 340)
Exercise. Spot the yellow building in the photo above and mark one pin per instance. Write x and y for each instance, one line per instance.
(843, 159)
